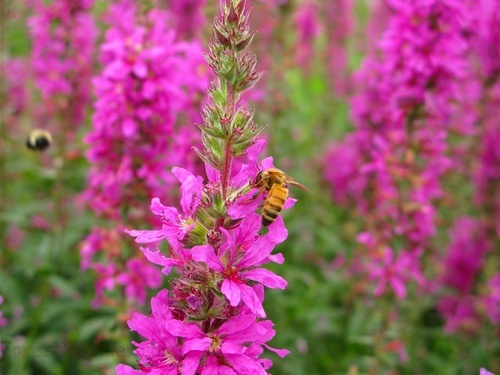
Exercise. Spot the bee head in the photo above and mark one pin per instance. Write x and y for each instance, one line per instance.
(258, 178)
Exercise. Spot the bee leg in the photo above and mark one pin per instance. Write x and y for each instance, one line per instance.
(259, 192)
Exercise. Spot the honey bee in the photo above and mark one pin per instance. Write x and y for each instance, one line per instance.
(39, 140)
(275, 182)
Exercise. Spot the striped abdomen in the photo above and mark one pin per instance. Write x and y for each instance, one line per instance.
(274, 204)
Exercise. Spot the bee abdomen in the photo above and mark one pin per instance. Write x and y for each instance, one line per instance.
(273, 205)
(269, 215)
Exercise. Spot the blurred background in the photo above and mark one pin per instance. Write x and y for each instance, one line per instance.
(386, 110)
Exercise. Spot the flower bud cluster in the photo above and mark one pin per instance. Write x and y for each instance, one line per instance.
(228, 130)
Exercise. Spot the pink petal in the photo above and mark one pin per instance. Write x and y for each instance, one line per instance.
(140, 69)
(254, 150)
(231, 347)
(191, 362)
(180, 329)
(398, 286)
(199, 345)
(156, 258)
(236, 324)
(129, 127)
(277, 231)
(232, 292)
(290, 202)
(245, 365)
(267, 163)
(206, 253)
(252, 301)
(210, 367)
(213, 174)
(280, 352)
(157, 208)
(146, 236)
(277, 258)
(127, 370)
(266, 277)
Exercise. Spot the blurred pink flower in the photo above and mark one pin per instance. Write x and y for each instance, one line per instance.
(63, 34)
(394, 272)
(459, 312)
(147, 85)
(483, 371)
(492, 298)
(308, 28)
(138, 276)
(465, 256)
(189, 17)
(391, 168)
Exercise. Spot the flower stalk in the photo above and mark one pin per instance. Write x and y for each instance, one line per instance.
(228, 130)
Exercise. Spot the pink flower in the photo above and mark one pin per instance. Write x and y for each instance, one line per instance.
(465, 256)
(145, 88)
(160, 353)
(138, 277)
(232, 348)
(492, 298)
(459, 312)
(389, 271)
(238, 271)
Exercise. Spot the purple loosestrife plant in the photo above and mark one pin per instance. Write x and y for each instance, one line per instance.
(145, 95)
(212, 319)
(471, 253)
(402, 119)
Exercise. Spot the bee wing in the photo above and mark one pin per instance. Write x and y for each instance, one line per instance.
(291, 181)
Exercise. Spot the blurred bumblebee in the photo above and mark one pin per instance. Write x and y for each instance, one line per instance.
(39, 140)
(275, 182)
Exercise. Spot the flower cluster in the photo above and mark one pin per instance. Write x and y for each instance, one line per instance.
(142, 126)
(402, 119)
(63, 34)
(471, 254)
(212, 320)
(463, 263)
(308, 28)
